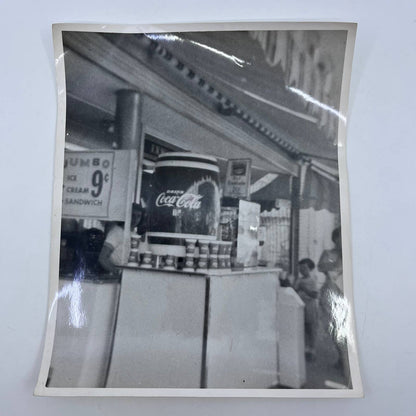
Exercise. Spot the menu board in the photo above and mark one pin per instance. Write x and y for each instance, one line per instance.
(237, 182)
(96, 184)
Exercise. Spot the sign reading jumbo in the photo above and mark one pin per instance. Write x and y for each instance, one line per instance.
(96, 184)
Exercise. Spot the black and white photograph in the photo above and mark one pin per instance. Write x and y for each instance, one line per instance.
(201, 233)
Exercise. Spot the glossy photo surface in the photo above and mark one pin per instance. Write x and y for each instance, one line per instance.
(201, 231)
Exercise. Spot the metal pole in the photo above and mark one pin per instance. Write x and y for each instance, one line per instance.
(128, 119)
(294, 226)
(128, 129)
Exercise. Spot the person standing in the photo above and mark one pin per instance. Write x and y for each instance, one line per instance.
(333, 302)
(307, 288)
(330, 263)
(111, 255)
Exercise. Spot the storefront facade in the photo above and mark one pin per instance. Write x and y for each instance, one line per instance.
(131, 94)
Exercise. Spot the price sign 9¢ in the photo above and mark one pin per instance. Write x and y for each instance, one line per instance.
(87, 184)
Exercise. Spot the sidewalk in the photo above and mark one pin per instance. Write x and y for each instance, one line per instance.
(323, 368)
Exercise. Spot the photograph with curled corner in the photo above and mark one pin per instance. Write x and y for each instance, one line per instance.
(198, 246)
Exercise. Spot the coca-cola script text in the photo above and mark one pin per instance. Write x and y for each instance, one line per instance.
(189, 201)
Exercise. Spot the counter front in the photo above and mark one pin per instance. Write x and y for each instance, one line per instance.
(213, 330)
(219, 329)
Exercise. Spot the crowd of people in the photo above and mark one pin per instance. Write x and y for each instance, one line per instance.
(325, 305)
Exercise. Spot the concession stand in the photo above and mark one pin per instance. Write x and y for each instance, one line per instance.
(189, 134)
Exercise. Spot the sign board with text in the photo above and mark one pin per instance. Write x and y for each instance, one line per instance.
(237, 182)
(96, 184)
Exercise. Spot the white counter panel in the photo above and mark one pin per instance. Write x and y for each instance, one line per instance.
(159, 333)
(242, 331)
(292, 364)
(83, 335)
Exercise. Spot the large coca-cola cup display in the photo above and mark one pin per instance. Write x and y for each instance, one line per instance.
(184, 202)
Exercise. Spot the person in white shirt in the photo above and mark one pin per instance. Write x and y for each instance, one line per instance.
(111, 255)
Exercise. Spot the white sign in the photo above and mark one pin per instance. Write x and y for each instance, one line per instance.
(95, 184)
(237, 181)
(88, 178)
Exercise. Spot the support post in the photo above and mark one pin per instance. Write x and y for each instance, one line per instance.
(128, 129)
(294, 226)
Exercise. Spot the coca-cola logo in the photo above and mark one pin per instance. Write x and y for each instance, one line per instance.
(186, 200)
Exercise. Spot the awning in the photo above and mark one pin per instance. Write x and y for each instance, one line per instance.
(237, 66)
(320, 192)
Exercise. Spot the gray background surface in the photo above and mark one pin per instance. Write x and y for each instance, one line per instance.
(381, 147)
